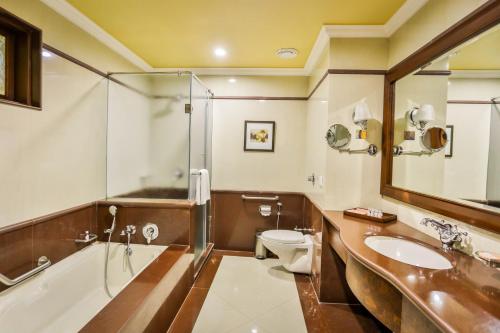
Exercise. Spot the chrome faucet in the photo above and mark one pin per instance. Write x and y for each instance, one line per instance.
(129, 231)
(448, 234)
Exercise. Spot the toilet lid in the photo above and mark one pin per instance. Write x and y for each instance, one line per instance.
(284, 236)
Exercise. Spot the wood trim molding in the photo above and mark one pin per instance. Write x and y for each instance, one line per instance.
(480, 20)
(74, 60)
(433, 73)
(472, 25)
(357, 71)
(261, 98)
(457, 101)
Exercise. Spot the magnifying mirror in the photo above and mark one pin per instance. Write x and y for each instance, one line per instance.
(338, 136)
(434, 139)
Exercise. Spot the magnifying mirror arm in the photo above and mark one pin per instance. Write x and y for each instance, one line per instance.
(398, 150)
(370, 150)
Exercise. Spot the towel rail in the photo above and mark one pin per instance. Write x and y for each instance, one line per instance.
(247, 197)
(43, 263)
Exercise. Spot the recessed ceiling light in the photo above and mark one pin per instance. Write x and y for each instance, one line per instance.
(232, 80)
(287, 53)
(46, 54)
(220, 52)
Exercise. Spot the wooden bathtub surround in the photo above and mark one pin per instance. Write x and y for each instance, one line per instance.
(461, 299)
(151, 301)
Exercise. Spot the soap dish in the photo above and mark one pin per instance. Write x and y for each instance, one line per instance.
(488, 258)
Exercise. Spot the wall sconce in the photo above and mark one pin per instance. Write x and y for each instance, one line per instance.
(361, 115)
(420, 116)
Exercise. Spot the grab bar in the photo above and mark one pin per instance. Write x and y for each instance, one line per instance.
(246, 197)
(43, 263)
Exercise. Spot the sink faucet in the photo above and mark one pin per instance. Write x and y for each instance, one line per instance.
(448, 234)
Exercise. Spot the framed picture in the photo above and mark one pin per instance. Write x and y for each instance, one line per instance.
(448, 150)
(259, 136)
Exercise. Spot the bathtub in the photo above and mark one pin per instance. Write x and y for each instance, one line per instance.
(67, 295)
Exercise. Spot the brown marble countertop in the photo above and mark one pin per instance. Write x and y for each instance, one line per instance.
(465, 298)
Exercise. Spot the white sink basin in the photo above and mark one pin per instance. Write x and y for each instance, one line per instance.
(408, 252)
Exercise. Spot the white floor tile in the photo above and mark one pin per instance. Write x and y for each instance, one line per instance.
(286, 318)
(217, 316)
(243, 294)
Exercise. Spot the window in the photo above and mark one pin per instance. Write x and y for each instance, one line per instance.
(20, 61)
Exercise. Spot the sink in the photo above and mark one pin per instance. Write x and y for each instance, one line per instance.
(407, 252)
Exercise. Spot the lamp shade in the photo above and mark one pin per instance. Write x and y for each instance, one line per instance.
(361, 112)
(425, 113)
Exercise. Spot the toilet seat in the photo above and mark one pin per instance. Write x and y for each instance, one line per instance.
(284, 236)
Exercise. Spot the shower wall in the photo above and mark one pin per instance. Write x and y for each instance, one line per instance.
(148, 136)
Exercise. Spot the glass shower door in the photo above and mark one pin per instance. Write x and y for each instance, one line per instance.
(200, 157)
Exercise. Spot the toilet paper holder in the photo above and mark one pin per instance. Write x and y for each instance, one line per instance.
(265, 210)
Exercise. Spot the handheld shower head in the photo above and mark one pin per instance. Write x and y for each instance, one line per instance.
(112, 210)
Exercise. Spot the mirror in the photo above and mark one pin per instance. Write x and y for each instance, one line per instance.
(338, 136)
(434, 139)
(446, 126)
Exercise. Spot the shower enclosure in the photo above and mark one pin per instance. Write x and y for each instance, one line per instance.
(159, 134)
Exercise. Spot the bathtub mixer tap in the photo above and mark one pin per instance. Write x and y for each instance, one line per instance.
(129, 230)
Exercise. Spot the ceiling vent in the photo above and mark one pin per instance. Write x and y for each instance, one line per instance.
(287, 53)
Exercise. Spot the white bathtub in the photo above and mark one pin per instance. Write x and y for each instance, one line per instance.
(65, 296)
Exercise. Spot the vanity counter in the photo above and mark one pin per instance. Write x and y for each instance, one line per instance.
(465, 298)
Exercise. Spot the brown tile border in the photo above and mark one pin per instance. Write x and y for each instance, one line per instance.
(329, 317)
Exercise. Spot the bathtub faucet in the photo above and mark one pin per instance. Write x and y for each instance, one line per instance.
(129, 230)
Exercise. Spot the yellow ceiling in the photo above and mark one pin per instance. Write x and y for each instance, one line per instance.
(482, 54)
(183, 33)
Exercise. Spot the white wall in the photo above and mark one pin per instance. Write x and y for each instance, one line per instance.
(233, 168)
(129, 128)
(56, 158)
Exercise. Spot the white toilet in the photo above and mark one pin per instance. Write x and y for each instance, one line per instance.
(293, 249)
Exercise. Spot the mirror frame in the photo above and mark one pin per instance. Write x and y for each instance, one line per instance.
(480, 20)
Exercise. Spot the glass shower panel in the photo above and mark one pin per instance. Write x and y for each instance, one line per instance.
(148, 135)
(200, 156)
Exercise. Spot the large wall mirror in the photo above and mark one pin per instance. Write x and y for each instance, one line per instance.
(442, 123)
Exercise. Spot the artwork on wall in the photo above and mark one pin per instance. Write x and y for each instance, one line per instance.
(259, 136)
(449, 145)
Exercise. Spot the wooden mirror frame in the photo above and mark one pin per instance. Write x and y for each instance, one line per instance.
(480, 20)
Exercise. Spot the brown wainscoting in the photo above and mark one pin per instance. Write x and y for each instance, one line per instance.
(52, 236)
(175, 222)
(235, 221)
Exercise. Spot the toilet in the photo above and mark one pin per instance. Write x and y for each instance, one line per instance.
(293, 249)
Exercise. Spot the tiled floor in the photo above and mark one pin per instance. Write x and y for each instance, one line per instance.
(237, 293)
(250, 295)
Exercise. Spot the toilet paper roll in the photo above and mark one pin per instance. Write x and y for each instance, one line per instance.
(265, 210)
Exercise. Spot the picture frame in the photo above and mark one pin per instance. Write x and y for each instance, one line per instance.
(448, 151)
(259, 136)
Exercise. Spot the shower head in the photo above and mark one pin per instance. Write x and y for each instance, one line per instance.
(112, 210)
